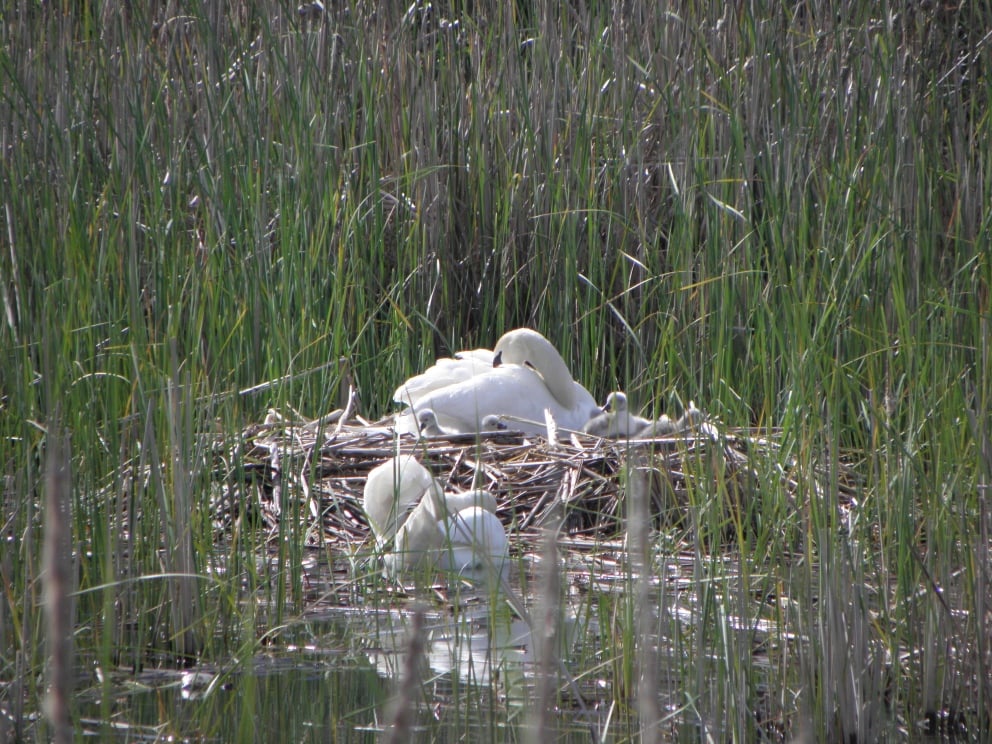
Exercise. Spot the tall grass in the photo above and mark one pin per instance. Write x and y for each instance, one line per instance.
(779, 212)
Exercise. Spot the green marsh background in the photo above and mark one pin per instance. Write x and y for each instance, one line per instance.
(777, 210)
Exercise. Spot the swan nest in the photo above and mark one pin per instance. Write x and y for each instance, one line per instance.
(316, 470)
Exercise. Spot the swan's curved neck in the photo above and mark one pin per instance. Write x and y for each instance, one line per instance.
(530, 347)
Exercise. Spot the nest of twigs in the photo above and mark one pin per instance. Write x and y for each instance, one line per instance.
(579, 485)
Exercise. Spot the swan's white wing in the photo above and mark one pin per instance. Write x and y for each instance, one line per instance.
(445, 372)
(515, 392)
(391, 490)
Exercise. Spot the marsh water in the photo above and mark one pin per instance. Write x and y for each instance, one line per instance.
(334, 671)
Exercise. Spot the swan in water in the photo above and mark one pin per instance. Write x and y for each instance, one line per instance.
(392, 490)
(429, 427)
(428, 527)
(475, 545)
(665, 426)
(525, 376)
(616, 420)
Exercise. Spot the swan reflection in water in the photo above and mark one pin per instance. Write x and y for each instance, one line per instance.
(479, 644)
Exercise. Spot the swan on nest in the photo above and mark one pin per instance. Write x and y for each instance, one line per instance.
(521, 377)
(615, 421)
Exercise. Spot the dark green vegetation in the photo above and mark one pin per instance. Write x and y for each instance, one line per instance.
(779, 211)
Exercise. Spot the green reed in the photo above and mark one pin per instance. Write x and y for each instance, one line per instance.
(777, 213)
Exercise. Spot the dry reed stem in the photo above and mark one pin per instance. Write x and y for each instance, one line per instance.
(545, 633)
(402, 717)
(648, 709)
(529, 477)
(57, 583)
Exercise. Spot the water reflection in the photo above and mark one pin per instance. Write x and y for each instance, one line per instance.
(332, 674)
(333, 671)
(482, 647)
(280, 697)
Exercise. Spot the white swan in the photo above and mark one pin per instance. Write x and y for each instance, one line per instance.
(404, 503)
(476, 547)
(616, 420)
(429, 426)
(464, 365)
(527, 375)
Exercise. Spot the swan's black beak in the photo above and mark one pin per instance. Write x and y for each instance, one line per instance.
(498, 359)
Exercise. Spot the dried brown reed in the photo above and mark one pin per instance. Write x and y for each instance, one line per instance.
(530, 477)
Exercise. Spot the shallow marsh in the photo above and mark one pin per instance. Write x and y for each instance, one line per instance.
(220, 221)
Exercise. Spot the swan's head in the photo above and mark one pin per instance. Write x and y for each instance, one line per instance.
(492, 422)
(429, 426)
(616, 402)
(692, 416)
(524, 346)
(529, 348)
(427, 423)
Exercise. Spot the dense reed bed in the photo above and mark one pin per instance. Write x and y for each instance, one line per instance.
(779, 211)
